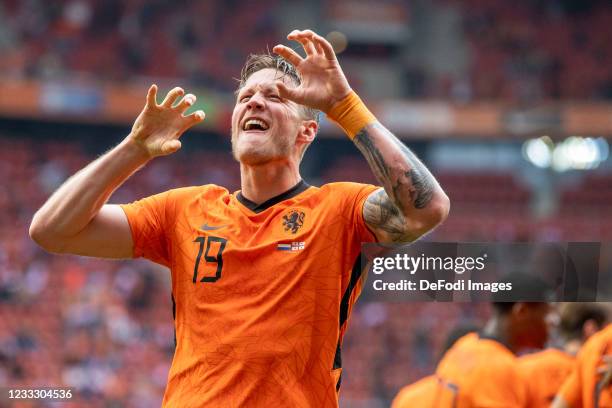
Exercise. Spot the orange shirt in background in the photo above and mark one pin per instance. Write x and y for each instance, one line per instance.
(479, 372)
(545, 372)
(583, 388)
(419, 394)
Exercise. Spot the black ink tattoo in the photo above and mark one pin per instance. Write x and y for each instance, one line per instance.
(423, 192)
(373, 155)
(381, 214)
(406, 181)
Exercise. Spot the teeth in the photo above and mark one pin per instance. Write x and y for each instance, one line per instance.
(251, 123)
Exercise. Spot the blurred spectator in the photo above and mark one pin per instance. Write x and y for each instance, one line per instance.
(520, 52)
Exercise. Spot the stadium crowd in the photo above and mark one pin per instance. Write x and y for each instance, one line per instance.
(533, 50)
(521, 52)
(115, 40)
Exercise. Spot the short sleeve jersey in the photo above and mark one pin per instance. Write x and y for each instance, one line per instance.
(261, 293)
(479, 372)
(420, 394)
(545, 372)
(585, 386)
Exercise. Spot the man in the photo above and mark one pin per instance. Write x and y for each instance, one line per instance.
(262, 280)
(423, 393)
(590, 383)
(481, 370)
(545, 371)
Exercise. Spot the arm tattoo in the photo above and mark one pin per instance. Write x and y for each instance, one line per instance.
(407, 182)
(411, 175)
(381, 214)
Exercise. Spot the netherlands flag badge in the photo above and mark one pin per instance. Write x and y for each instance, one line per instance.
(293, 246)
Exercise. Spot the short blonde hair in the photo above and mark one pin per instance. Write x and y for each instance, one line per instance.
(257, 62)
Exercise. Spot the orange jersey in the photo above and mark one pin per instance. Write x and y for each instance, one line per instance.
(545, 372)
(420, 394)
(584, 386)
(479, 372)
(261, 293)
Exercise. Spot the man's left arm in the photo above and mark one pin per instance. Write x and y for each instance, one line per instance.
(412, 201)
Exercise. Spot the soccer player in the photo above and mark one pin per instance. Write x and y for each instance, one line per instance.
(546, 370)
(423, 393)
(263, 280)
(590, 383)
(481, 369)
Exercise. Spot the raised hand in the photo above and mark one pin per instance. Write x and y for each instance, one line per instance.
(323, 82)
(158, 127)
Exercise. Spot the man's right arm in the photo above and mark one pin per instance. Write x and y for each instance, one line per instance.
(76, 218)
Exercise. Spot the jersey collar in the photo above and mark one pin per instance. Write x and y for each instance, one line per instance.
(257, 208)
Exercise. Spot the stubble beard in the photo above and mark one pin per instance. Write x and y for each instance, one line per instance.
(262, 154)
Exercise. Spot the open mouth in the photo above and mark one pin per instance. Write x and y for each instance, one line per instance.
(254, 124)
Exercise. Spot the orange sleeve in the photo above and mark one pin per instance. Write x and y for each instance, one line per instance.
(421, 393)
(355, 195)
(364, 231)
(400, 399)
(571, 389)
(148, 221)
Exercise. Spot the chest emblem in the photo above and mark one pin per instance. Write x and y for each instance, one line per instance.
(293, 246)
(293, 221)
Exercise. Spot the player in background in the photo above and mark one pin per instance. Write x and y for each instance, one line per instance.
(481, 369)
(264, 279)
(590, 383)
(546, 370)
(423, 392)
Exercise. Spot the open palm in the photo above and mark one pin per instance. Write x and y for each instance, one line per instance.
(323, 82)
(158, 127)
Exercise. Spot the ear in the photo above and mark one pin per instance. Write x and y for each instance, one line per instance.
(307, 131)
(589, 328)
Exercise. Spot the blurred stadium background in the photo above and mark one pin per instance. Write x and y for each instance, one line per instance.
(508, 102)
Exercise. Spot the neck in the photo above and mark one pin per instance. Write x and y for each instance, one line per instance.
(259, 183)
(497, 328)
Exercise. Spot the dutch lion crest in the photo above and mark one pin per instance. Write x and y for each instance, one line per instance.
(293, 221)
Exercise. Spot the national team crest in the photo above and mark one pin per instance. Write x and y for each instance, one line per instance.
(293, 221)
